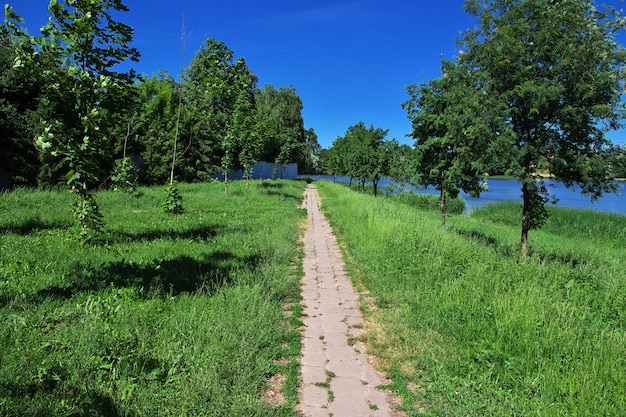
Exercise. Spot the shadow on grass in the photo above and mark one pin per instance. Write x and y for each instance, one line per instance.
(158, 276)
(510, 251)
(489, 241)
(38, 400)
(203, 233)
(33, 225)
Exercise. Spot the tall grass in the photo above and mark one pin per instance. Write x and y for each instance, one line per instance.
(466, 327)
(171, 315)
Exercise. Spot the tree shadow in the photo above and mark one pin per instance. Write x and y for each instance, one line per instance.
(486, 240)
(160, 277)
(203, 233)
(32, 225)
(282, 195)
(509, 251)
(272, 184)
(88, 403)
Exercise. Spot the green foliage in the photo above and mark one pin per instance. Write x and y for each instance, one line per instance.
(451, 134)
(124, 177)
(88, 217)
(80, 45)
(559, 89)
(281, 126)
(216, 84)
(154, 129)
(176, 315)
(464, 328)
(402, 167)
(173, 201)
(361, 154)
(19, 95)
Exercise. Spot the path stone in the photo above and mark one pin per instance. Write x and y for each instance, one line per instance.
(337, 379)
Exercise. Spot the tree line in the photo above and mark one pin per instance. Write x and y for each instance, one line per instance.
(64, 107)
(533, 92)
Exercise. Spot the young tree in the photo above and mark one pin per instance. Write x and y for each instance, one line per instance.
(451, 134)
(81, 45)
(401, 166)
(557, 69)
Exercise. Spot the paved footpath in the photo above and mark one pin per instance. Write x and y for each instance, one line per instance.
(337, 379)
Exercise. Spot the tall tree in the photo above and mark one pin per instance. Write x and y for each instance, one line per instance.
(213, 82)
(19, 96)
(312, 152)
(155, 126)
(279, 114)
(82, 44)
(557, 68)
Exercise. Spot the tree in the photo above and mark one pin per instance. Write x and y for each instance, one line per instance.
(363, 154)
(279, 115)
(81, 46)
(213, 83)
(401, 165)
(245, 132)
(558, 71)
(311, 153)
(19, 97)
(451, 133)
(155, 126)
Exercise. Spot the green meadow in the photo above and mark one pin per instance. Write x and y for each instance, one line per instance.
(465, 327)
(188, 315)
(198, 314)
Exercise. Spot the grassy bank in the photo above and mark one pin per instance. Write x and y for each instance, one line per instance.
(172, 315)
(465, 327)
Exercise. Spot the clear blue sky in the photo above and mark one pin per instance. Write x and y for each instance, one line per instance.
(350, 60)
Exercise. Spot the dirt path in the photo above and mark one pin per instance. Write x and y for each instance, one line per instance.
(337, 379)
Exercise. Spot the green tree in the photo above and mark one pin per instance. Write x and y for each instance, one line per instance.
(245, 132)
(154, 128)
(557, 69)
(82, 44)
(279, 115)
(312, 152)
(451, 133)
(213, 83)
(19, 97)
(364, 154)
(401, 166)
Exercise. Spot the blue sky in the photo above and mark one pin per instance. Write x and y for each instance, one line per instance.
(350, 60)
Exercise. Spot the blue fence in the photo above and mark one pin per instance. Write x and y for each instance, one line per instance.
(267, 170)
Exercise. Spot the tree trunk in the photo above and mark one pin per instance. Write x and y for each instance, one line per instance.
(443, 208)
(525, 219)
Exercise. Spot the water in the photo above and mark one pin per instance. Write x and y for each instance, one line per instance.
(507, 189)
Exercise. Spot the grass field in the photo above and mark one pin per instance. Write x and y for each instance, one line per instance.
(465, 327)
(190, 315)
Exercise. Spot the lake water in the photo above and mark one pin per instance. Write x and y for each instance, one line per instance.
(501, 189)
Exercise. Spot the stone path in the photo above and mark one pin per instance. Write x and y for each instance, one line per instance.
(337, 379)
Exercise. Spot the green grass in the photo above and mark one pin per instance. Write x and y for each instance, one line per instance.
(465, 327)
(170, 315)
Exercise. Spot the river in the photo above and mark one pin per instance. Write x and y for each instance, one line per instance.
(510, 189)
